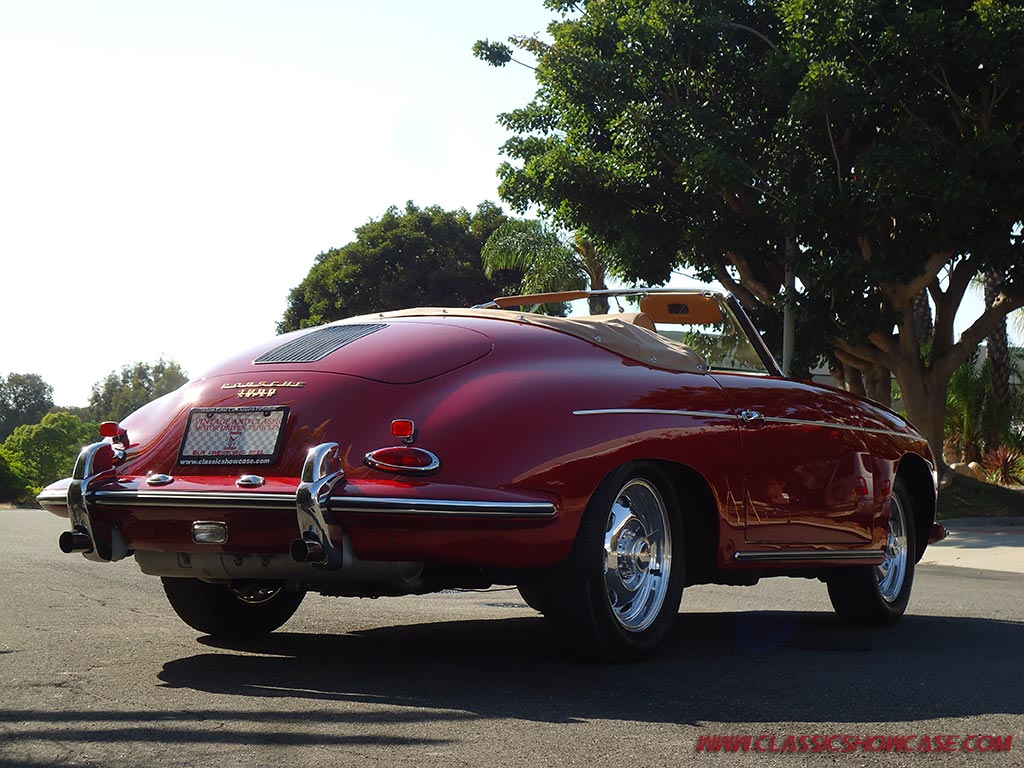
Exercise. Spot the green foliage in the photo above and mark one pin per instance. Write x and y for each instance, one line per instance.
(24, 399)
(706, 132)
(44, 452)
(536, 250)
(416, 257)
(649, 119)
(495, 54)
(547, 261)
(13, 485)
(976, 422)
(122, 392)
(1004, 465)
(965, 401)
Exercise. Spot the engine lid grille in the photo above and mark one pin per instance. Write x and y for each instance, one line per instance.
(318, 344)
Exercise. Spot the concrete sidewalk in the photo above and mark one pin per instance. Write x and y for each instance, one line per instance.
(991, 544)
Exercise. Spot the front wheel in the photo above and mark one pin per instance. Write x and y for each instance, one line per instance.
(616, 596)
(235, 610)
(875, 595)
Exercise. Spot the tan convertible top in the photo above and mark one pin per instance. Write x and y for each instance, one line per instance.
(629, 334)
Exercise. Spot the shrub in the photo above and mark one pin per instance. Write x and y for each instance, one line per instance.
(1004, 465)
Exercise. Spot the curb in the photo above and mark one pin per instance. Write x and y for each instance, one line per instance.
(956, 523)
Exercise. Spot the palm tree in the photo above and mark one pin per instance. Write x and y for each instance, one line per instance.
(548, 262)
(997, 343)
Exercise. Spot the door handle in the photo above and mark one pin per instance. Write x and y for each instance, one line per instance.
(749, 417)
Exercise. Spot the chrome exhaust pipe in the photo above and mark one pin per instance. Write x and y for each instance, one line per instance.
(308, 551)
(74, 541)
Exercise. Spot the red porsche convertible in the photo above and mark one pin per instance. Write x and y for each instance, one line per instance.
(599, 463)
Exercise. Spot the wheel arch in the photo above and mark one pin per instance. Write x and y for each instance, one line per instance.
(915, 472)
(701, 518)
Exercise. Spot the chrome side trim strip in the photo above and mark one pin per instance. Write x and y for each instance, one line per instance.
(507, 509)
(833, 425)
(794, 555)
(768, 419)
(657, 412)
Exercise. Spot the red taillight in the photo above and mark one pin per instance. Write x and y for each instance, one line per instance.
(115, 432)
(403, 459)
(405, 429)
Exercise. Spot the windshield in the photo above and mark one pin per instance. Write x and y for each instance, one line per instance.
(707, 325)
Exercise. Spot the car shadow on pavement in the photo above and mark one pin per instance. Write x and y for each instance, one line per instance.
(716, 667)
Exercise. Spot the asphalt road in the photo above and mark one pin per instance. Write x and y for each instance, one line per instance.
(96, 670)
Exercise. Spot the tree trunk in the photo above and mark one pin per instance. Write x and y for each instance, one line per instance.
(924, 395)
(998, 348)
(788, 313)
(924, 326)
(855, 381)
(878, 384)
(837, 371)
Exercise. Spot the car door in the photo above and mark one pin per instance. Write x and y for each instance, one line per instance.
(810, 475)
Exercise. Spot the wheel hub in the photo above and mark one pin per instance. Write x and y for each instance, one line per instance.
(893, 546)
(637, 555)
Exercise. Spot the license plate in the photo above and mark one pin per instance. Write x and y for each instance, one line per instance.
(233, 436)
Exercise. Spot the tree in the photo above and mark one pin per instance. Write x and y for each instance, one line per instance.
(12, 481)
(416, 257)
(873, 147)
(24, 399)
(122, 392)
(46, 451)
(548, 262)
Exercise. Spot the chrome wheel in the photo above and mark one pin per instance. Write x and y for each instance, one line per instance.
(893, 570)
(255, 594)
(637, 555)
(874, 595)
(238, 610)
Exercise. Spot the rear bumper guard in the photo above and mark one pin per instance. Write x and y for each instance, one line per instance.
(96, 540)
(320, 473)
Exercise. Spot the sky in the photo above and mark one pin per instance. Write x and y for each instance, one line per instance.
(170, 170)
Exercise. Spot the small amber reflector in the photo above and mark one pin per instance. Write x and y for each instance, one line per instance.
(109, 429)
(403, 428)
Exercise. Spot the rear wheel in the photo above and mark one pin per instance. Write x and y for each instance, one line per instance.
(616, 596)
(242, 609)
(533, 595)
(878, 594)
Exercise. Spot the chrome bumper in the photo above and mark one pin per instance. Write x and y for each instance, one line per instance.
(97, 540)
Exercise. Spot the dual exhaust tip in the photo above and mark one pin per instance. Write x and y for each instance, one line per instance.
(74, 541)
(308, 550)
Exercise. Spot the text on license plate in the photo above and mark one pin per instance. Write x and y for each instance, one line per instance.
(233, 435)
